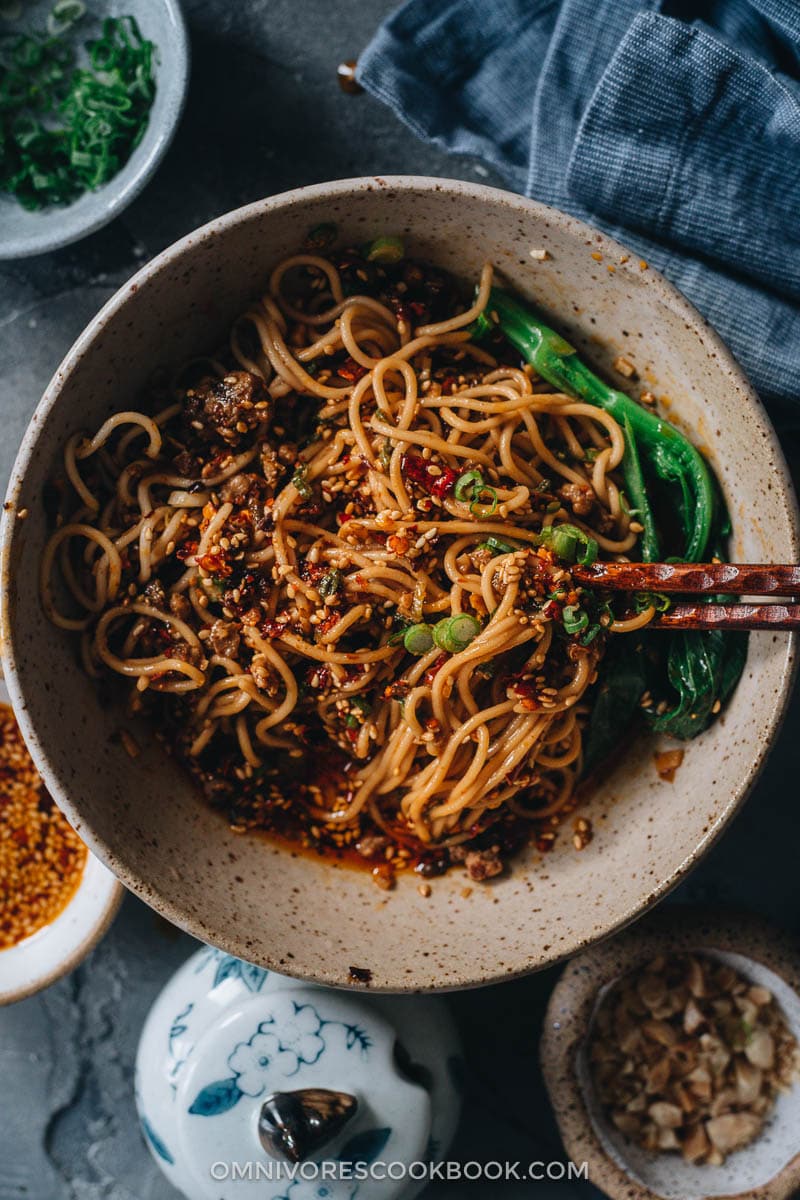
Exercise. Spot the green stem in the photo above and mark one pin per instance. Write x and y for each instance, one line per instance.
(672, 457)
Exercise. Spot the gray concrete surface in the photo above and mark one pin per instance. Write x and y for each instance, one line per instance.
(264, 114)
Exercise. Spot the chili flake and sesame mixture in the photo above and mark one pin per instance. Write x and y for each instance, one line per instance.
(41, 857)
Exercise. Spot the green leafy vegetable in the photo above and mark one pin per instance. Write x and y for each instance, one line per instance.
(692, 673)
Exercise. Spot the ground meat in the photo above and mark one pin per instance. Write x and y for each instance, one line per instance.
(180, 606)
(483, 864)
(224, 638)
(236, 488)
(155, 595)
(372, 845)
(186, 464)
(186, 653)
(226, 409)
(270, 466)
(580, 497)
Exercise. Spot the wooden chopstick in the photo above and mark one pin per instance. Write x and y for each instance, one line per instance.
(729, 616)
(738, 579)
(710, 579)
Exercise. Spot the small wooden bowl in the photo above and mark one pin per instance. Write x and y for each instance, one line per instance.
(768, 1169)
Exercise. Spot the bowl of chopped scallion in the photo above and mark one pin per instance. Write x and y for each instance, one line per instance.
(91, 92)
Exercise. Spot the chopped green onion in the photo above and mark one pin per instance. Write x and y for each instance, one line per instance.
(299, 480)
(329, 584)
(385, 250)
(467, 484)
(64, 13)
(575, 619)
(66, 131)
(454, 634)
(321, 237)
(570, 544)
(657, 600)
(498, 546)
(478, 508)
(591, 634)
(385, 455)
(418, 640)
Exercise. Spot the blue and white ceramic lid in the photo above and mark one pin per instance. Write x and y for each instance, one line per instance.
(224, 1036)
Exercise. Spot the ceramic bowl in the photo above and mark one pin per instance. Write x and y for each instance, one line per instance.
(767, 1169)
(24, 233)
(297, 914)
(57, 948)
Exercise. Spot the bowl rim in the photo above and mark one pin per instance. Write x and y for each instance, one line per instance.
(151, 892)
(112, 896)
(111, 201)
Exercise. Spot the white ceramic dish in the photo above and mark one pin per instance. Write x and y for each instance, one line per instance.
(57, 948)
(24, 233)
(306, 917)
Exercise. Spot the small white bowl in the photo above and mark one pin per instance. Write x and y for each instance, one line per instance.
(55, 949)
(24, 233)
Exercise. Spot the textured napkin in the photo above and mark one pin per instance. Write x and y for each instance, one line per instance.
(674, 126)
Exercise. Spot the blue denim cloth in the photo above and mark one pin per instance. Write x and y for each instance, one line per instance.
(672, 124)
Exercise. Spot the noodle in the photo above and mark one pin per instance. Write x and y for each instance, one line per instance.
(349, 467)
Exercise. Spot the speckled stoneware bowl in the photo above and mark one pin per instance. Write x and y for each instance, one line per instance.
(767, 1169)
(309, 918)
(24, 233)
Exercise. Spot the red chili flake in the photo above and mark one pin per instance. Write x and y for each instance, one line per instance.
(215, 564)
(418, 471)
(396, 690)
(524, 688)
(449, 385)
(329, 622)
(272, 628)
(343, 517)
(444, 483)
(552, 610)
(351, 370)
(186, 550)
(434, 669)
(313, 572)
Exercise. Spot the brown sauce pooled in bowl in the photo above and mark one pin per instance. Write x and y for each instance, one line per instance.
(41, 857)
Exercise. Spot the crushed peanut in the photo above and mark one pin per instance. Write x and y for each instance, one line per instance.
(687, 1055)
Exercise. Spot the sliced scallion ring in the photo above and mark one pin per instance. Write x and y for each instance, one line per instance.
(454, 634)
(418, 640)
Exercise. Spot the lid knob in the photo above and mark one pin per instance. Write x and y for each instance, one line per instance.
(293, 1125)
